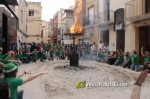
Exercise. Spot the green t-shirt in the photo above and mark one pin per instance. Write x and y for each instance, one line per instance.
(26, 55)
(13, 84)
(128, 58)
(135, 60)
(4, 59)
(146, 59)
(119, 58)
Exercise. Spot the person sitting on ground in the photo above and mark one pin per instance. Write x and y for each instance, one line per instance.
(146, 57)
(4, 91)
(101, 56)
(137, 85)
(135, 61)
(12, 59)
(127, 61)
(119, 60)
(13, 79)
(111, 58)
(101, 45)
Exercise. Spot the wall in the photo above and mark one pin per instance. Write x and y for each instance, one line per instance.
(34, 22)
(95, 37)
(112, 39)
(22, 15)
(129, 33)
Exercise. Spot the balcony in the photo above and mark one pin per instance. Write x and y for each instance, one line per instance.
(103, 18)
(89, 20)
(136, 11)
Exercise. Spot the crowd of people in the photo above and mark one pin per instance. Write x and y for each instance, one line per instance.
(10, 79)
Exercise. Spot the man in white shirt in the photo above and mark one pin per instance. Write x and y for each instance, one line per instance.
(101, 45)
(93, 49)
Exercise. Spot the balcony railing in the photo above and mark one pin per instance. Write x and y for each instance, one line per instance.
(89, 20)
(135, 11)
(103, 17)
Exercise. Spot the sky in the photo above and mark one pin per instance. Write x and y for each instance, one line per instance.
(50, 7)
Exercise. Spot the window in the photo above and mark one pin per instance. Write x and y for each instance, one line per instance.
(31, 12)
(22, 16)
(147, 7)
(91, 15)
(63, 16)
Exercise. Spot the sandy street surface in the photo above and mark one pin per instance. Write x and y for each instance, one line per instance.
(61, 83)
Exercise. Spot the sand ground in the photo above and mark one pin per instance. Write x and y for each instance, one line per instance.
(61, 83)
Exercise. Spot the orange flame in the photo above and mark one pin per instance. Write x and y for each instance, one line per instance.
(76, 27)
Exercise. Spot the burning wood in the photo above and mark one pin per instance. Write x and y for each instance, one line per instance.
(76, 27)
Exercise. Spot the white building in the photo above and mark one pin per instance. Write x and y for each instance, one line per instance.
(22, 28)
(67, 20)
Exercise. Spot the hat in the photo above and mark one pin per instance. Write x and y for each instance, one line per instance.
(9, 67)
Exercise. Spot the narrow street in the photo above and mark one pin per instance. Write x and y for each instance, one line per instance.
(61, 83)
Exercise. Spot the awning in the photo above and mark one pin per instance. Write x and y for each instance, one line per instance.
(9, 2)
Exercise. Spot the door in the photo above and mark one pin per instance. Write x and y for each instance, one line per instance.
(143, 41)
(121, 40)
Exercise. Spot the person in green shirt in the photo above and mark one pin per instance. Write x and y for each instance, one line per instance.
(42, 55)
(127, 61)
(146, 57)
(135, 61)
(119, 58)
(14, 80)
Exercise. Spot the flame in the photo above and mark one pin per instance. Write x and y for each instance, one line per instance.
(76, 27)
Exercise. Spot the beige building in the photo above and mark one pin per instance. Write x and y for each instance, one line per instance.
(127, 25)
(89, 13)
(45, 31)
(34, 24)
(138, 15)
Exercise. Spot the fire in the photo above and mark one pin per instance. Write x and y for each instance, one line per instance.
(76, 27)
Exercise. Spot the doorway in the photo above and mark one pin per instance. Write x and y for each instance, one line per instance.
(121, 40)
(104, 37)
(144, 41)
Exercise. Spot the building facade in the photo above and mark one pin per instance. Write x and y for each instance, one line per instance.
(22, 28)
(89, 16)
(55, 28)
(138, 16)
(67, 20)
(34, 23)
(125, 26)
(45, 32)
(8, 24)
